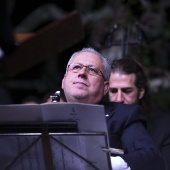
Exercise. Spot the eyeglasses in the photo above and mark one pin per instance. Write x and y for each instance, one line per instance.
(76, 67)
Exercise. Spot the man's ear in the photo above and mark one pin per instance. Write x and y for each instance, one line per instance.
(63, 81)
(106, 87)
(141, 93)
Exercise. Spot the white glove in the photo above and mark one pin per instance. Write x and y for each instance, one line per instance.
(119, 164)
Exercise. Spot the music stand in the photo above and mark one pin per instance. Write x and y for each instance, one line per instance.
(64, 136)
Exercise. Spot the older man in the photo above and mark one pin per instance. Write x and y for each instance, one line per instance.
(86, 81)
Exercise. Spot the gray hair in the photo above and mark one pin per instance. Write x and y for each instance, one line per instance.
(105, 61)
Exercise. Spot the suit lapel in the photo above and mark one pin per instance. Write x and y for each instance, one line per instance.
(109, 110)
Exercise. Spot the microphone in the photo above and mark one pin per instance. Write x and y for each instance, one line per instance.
(56, 97)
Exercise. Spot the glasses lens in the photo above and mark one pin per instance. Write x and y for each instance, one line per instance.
(93, 71)
(76, 67)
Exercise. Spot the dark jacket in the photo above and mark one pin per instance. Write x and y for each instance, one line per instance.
(127, 131)
(159, 129)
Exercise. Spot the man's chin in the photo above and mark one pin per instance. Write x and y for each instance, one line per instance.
(80, 96)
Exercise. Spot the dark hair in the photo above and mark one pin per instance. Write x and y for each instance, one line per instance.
(129, 66)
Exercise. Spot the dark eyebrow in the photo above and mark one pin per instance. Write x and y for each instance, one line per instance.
(127, 88)
(124, 88)
(112, 89)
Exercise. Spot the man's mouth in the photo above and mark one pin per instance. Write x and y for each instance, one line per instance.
(80, 82)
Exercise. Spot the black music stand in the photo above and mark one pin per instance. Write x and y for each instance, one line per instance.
(56, 136)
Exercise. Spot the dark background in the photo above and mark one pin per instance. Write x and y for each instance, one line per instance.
(106, 25)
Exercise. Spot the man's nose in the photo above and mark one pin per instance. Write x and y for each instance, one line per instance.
(83, 71)
(119, 97)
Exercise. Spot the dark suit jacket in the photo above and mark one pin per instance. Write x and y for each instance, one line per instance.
(126, 129)
(159, 129)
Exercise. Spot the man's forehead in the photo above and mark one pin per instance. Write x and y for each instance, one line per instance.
(122, 80)
(123, 76)
(87, 58)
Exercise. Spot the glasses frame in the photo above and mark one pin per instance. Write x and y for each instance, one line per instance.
(99, 72)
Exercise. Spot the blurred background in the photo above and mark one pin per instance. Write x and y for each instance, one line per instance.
(37, 37)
